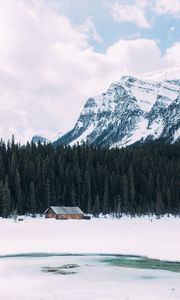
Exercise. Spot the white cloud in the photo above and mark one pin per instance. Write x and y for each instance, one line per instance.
(134, 13)
(89, 28)
(38, 50)
(48, 69)
(172, 54)
(139, 54)
(167, 7)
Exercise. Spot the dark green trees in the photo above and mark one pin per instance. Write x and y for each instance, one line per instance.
(5, 200)
(137, 180)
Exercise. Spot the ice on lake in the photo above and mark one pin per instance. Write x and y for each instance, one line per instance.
(22, 278)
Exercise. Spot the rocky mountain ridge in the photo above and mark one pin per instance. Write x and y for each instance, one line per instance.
(131, 110)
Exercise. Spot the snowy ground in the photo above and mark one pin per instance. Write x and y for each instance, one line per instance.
(159, 238)
(21, 278)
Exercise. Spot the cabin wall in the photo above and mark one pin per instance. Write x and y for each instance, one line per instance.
(67, 217)
(50, 214)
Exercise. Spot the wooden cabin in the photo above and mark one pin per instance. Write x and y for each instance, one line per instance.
(64, 213)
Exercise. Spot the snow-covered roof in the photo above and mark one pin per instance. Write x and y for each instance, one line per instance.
(64, 210)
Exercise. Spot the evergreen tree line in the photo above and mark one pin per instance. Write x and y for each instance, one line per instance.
(137, 180)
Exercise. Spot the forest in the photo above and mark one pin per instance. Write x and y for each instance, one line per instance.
(137, 180)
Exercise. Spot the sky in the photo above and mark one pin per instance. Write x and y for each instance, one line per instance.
(54, 54)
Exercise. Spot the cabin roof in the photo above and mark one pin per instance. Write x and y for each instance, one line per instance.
(65, 210)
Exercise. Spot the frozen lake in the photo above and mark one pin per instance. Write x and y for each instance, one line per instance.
(96, 277)
(108, 277)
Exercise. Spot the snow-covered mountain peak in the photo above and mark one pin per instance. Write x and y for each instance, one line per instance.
(130, 110)
(171, 73)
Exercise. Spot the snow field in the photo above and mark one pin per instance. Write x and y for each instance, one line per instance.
(155, 238)
(94, 280)
(21, 278)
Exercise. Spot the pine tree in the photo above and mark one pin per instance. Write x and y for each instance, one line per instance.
(5, 200)
(1, 197)
(73, 196)
(125, 195)
(159, 206)
(48, 193)
(89, 200)
(32, 199)
(132, 191)
(119, 207)
(105, 208)
(97, 209)
(18, 193)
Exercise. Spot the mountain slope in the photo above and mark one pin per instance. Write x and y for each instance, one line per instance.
(39, 139)
(130, 110)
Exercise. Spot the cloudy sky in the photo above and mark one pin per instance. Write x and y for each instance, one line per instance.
(56, 53)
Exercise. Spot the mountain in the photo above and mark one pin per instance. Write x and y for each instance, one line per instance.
(133, 109)
(39, 139)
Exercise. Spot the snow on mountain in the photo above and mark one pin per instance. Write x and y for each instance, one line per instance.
(162, 74)
(39, 139)
(132, 109)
